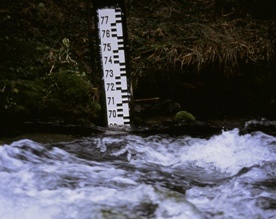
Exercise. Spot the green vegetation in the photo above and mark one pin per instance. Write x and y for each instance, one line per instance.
(184, 116)
(45, 59)
(45, 73)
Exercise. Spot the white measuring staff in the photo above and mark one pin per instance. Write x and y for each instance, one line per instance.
(117, 96)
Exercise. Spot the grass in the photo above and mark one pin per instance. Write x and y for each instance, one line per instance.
(179, 34)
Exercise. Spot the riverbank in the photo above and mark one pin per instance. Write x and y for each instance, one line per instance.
(51, 132)
(214, 59)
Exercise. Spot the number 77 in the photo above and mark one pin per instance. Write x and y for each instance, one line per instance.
(104, 19)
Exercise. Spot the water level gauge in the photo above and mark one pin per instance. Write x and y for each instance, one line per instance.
(113, 59)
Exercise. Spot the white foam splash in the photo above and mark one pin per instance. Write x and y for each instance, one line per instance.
(228, 152)
(53, 184)
(49, 183)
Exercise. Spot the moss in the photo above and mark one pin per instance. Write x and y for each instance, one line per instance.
(20, 98)
(184, 116)
(64, 97)
(70, 97)
(41, 77)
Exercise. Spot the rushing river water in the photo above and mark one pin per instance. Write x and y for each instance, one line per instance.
(121, 175)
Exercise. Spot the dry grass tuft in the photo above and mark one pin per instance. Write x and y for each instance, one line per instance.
(179, 34)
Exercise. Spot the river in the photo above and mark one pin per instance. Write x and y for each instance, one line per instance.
(117, 174)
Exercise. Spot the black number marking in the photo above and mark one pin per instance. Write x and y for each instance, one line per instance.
(110, 86)
(110, 101)
(109, 73)
(106, 33)
(104, 19)
(107, 46)
(107, 59)
(112, 113)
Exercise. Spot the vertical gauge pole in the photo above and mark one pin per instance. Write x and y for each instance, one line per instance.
(112, 47)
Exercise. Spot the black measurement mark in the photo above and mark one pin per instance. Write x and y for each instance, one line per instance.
(125, 96)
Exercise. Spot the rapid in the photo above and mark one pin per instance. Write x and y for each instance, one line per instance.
(117, 174)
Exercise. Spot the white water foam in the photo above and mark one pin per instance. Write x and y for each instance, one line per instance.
(250, 159)
(43, 181)
(50, 183)
(227, 153)
(242, 197)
